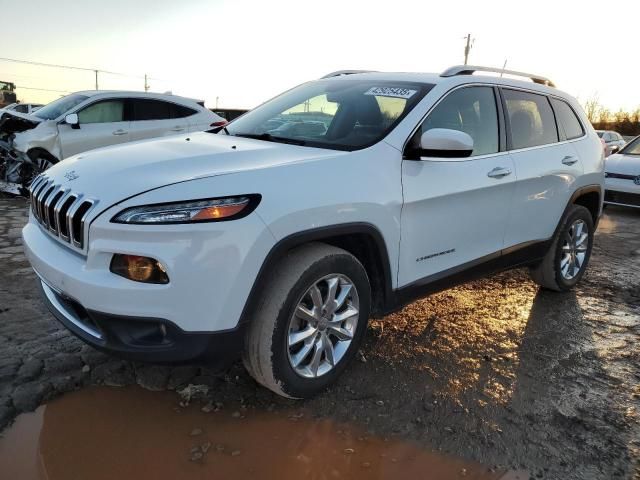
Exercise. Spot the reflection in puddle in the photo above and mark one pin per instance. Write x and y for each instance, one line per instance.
(104, 433)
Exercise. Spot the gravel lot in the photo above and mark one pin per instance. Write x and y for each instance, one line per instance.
(494, 371)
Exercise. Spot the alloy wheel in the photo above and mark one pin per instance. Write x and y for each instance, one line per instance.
(322, 326)
(574, 249)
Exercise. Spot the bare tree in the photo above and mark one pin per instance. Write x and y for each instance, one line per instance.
(592, 108)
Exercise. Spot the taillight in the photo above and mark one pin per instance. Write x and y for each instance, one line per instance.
(221, 123)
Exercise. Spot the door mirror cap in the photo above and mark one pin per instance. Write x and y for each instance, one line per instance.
(445, 143)
(73, 120)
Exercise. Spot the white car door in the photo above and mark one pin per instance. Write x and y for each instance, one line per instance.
(546, 164)
(153, 118)
(100, 124)
(455, 209)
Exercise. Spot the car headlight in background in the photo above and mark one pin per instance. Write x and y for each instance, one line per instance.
(192, 211)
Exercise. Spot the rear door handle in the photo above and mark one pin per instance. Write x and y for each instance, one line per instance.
(120, 132)
(569, 160)
(499, 172)
(177, 129)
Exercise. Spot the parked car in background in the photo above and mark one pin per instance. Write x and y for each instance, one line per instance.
(21, 107)
(282, 247)
(622, 176)
(302, 129)
(613, 141)
(82, 121)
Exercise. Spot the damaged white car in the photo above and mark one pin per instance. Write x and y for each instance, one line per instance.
(30, 144)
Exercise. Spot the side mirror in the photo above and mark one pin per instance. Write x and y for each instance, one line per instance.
(73, 120)
(445, 143)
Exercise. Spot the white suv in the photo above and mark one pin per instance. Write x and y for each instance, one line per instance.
(87, 120)
(282, 246)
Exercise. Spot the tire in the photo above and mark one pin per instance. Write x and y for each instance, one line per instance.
(268, 353)
(556, 271)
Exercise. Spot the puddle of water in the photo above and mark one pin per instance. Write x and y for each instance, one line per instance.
(130, 433)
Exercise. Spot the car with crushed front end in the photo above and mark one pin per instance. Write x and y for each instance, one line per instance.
(279, 245)
(82, 121)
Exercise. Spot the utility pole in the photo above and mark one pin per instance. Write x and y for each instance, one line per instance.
(467, 48)
(146, 85)
(96, 72)
(217, 98)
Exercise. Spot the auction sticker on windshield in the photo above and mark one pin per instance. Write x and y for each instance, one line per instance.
(390, 92)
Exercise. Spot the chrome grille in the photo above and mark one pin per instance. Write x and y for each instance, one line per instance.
(60, 211)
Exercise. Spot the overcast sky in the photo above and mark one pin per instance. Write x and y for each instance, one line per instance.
(244, 52)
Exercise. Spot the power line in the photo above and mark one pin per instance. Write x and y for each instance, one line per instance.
(42, 89)
(70, 67)
(95, 71)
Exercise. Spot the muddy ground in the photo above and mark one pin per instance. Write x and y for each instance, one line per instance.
(495, 371)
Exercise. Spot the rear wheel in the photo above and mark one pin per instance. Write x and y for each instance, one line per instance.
(310, 321)
(567, 259)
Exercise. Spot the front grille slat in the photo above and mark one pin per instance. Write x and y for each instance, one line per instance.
(51, 214)
(51, 196)
(60, 211)
(41, 203)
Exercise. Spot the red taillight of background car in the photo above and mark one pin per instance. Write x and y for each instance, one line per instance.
(221, 123)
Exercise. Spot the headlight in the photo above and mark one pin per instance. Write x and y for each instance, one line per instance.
(193, 211)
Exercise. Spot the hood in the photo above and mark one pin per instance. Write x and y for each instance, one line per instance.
(623, 164)
(112, 174)
(14, 122)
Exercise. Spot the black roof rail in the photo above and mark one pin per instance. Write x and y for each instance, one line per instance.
(340, 73)
(471, 69)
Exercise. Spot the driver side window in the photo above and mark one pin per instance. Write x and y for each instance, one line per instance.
(471, 110)
(106, 111)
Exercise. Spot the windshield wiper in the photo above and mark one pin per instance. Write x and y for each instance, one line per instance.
(219, 129)
(267, 137)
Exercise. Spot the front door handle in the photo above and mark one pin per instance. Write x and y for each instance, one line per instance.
(569, 160)
(177, 129)
(120, 132)
(499, 172)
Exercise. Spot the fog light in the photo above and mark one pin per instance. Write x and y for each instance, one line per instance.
(139, 269)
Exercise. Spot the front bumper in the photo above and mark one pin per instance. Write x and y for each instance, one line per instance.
(211, 269)
(141, 339)
(622, 192)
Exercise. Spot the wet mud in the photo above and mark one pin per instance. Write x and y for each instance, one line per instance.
(130, 433)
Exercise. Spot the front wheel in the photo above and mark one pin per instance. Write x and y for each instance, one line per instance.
(309, 322)
(567, 259)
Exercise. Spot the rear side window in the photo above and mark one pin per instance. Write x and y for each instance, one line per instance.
(567, 119)
(471, 110)
(149, 109)
(531, 119)
(107, 111)
(180, 111)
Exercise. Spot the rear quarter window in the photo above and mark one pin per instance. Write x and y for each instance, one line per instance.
(151, 109)
(567, 119)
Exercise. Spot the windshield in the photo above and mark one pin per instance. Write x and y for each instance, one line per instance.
(59, 107)
(343, 114)
(632, 148)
